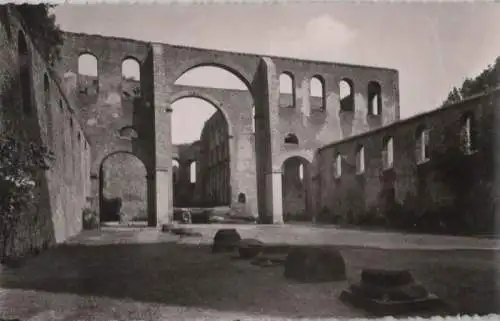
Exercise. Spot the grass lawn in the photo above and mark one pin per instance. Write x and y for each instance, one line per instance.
(190, 276)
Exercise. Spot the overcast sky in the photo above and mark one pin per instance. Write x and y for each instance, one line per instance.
(434, 46)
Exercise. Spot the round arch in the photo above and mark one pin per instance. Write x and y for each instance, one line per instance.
(244, 69)
(103, 159)
(228, 66)
(207, 98)
(305, 155)
(97, 163)
(110, 208)
(131, 57)
(87, 54)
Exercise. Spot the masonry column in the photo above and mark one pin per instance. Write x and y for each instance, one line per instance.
(163, 141)
(360, 122)
(151, 199)
(308, 190)
(268, 138)
(94, 193)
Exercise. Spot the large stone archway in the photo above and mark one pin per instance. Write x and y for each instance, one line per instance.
(213, 157)
(260, 79)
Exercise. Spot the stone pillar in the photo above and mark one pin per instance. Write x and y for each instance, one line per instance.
(360, 122)
(308, 191)
(304, 94)
(93, 199)
(151, 199)
(267, 142)
(163, 139)
(274, 196)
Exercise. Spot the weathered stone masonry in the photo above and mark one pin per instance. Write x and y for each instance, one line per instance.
(402, 169)
(162, 65)
(33, 99)
(351, 150)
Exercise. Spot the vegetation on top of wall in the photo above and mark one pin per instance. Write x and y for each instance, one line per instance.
(42, 29)
(20, 162)
(488, 79)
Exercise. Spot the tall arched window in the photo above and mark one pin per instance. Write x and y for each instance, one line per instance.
(422, 144)
(468, 133)
(287, 90)
(388, 153)
(360, 160)
(131, 70)
(346, 96)
(88, 75)
(317, 93)
(87, 65)
(338, 165)
(301, 172)
(131, 75)
(175, 169)
(374, 98)
(192, 172)
(24, 59)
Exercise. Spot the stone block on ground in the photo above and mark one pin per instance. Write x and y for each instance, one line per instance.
(182, 231)
(386, 292)
(250, 248)
(315, 264)
(168, 227)
(226, 240)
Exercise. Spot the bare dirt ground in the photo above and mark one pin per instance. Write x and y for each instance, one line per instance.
(143, 274)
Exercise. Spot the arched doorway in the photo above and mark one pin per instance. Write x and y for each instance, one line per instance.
(122, 189)
(296, 188)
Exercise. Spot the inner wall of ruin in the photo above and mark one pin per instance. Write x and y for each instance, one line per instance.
(106, 106)
(33, 100)
(277, 156)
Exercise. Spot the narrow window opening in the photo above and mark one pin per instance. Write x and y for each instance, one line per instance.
(422, 145)
(192, 172)
(360, 160)
(87, 65)
(374, 99)
(131, 76)
(346, 96)
(291, 139)
(287, 90)
(388, 153)
(469, 134)
(317, 93)
(301, 172)
(338, 165)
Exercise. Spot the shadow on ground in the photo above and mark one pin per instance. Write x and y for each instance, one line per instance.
(191, 276)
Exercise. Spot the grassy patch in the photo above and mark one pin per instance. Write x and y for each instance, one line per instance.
(191, 276)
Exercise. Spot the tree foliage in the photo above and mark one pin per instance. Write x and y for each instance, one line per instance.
(20, 161)
(488, 79)
(42, 28)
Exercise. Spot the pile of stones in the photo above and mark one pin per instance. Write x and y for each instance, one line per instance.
(310, 264)
(379, 292)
